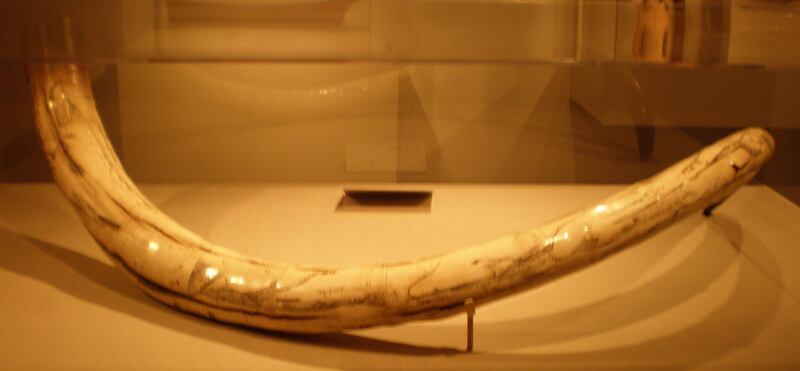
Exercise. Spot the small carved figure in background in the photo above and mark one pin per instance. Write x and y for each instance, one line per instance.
(652, 39)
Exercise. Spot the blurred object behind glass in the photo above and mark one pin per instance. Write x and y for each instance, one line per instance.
(653, 35)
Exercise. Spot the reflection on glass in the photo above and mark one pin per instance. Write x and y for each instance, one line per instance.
(653, 34)
(248, 13)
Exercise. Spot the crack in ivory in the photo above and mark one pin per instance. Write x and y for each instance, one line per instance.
(181, 269)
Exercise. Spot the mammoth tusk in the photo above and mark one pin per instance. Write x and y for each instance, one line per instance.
(182, 270)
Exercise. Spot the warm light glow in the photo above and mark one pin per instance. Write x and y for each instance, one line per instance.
(600, 208)
(153, 246)
(277, 285)
(211, 272)
(238, 280)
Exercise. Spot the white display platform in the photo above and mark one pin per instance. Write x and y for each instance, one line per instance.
(720, 292)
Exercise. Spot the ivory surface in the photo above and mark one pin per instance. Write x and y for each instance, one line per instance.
(181, 269)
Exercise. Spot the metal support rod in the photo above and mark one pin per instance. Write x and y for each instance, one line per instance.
(470, 305)
(708, 211)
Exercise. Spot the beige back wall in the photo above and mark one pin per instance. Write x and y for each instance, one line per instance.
(254, 122)
(317, 121)
(374, 116)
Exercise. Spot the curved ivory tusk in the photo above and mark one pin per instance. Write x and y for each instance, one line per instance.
(176, 267)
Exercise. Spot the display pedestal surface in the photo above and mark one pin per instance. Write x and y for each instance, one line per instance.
(722, 292)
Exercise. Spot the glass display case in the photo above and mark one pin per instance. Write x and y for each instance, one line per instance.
(344, 133)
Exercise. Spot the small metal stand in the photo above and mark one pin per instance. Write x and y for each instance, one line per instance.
(470, 305)
(709, 211)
